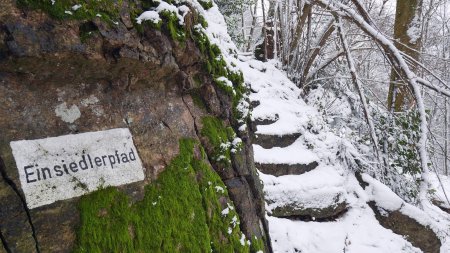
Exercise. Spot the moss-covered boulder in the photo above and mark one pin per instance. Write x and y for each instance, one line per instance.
(159, 81)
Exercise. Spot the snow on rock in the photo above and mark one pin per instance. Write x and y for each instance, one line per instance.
(358, 231)
(442, 189)
(225, 81)
(277, 95)
(152, 16)
(296, 153)
(381, 194)
(431, 216)
(317, 189)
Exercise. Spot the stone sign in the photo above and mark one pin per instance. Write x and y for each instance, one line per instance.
(69, 166)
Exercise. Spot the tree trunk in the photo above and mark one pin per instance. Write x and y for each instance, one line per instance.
(407, 35)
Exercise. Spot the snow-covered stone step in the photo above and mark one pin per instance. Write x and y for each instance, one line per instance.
(291, 160)
(318, 194)
(269, 141)
(285, 169)
(261, 121)
(266, 120)
(356, 232)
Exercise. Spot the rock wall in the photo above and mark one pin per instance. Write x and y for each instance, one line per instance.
(63, 75)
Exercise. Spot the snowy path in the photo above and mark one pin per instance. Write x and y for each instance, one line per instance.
(323, 209)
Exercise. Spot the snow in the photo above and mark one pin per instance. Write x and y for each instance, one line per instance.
(414, 31)
(152, 16)
(296, 153)
(277, 95)
(442, 189)
(358, 231)
(166, 7)
(318, 188)
(225, 81)
(76, 7)
(381, 194)
(412, 79)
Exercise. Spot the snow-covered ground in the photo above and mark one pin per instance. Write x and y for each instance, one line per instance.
(355, 231)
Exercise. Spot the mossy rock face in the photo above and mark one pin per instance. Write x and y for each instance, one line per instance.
(139, 75)
(182, 211)
(77, 9)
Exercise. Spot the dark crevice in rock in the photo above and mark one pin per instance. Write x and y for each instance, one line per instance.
(14, 187)
(197, 132)
(5, 245)
(255, 183)
(167, 125)
(309, 218)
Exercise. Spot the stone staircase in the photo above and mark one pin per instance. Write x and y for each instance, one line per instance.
(313, 201)
(300, 196)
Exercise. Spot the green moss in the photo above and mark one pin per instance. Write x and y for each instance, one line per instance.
(224, 228)
(148, 4)
(257, 245)
(198, 100)
(172, 26)
(62, 9)
(215, 65)
(220, 138)
(206, 4)
(202, 21)
(180, 212)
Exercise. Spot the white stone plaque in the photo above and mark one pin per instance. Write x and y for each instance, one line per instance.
(69, 166)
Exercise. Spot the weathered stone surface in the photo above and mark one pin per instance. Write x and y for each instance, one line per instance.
(418, 235)
(15, 226)
(298, 211)
(270, 141)
(285, 169)
(239, 190)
